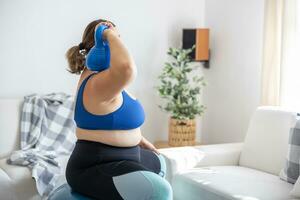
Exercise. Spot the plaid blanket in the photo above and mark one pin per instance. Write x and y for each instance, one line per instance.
(47, 131)
(291, 170)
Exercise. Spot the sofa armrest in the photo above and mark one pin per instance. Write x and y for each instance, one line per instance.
(182, 158)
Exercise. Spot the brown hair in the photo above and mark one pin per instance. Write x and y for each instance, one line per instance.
(75, 59)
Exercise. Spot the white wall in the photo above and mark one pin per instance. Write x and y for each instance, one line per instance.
(35, 35)
(234, 77)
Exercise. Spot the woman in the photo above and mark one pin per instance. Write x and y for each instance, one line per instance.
(111, 159)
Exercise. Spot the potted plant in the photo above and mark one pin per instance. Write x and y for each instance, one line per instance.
(180, 89)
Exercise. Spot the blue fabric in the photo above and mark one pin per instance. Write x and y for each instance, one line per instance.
(101, 171)
(98, 58)
(147, 185)
(162, 189)
(64, 192)
(134, 174)
(163, 166)
(129, 116)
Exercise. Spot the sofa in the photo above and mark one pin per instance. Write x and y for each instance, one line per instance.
(248, 170)
(16, 182)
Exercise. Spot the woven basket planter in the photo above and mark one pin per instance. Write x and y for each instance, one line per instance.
(182, 132)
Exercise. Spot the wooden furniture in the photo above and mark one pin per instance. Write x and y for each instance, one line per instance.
(164, 144)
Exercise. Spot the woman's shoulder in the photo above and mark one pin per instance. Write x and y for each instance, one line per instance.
(129, 94)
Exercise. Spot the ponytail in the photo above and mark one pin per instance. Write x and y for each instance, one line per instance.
(75, 59)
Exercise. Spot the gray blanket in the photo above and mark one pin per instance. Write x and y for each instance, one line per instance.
(47, 131)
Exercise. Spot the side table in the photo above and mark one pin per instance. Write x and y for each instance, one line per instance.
(164, 144)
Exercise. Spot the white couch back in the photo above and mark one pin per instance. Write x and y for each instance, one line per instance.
(9, 125)
(266, 142)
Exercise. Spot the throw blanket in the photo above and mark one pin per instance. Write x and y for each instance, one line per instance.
(47, 131)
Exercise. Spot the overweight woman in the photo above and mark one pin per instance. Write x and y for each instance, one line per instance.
(111, 159)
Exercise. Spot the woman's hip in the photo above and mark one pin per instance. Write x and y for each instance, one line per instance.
(107, 169)
(87, 153)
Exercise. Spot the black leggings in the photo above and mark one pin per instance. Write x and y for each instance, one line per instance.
(102, 171)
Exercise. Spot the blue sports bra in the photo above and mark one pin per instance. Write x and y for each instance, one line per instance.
(129, 116)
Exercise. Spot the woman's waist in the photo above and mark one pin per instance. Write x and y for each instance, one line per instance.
(100, 152)
(118, 138)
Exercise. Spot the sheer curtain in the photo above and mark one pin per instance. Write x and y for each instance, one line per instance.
(270, 94)
(290, 72)
(281, 55)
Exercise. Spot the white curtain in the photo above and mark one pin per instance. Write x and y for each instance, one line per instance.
(281, 69)
(290, 70)
(270, 94)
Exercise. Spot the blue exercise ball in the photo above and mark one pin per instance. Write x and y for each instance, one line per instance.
(64, 192)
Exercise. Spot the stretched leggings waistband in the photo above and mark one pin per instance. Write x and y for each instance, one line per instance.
(106, 152)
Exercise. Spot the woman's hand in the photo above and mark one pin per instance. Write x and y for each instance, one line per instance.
(111, 30)
(144, 143)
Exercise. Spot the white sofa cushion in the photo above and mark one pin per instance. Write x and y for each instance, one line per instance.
(266, 143)
(229, 182)
(296, 189)
(6, 188)
(187, 157)
(21, 181)
(9, 123)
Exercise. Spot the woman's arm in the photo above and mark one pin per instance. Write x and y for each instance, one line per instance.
(122, 70)
(148, 145)
(121, 60)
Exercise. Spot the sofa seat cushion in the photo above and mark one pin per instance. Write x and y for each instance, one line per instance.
(23, 184)
(229, 182)
(20, 176)
(6, 189)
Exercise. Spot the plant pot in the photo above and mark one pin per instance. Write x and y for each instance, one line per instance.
(182, 132)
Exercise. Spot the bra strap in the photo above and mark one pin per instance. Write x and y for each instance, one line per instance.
(81, 88)
(86, 79)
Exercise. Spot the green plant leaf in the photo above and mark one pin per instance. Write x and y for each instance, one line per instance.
(180, 97)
